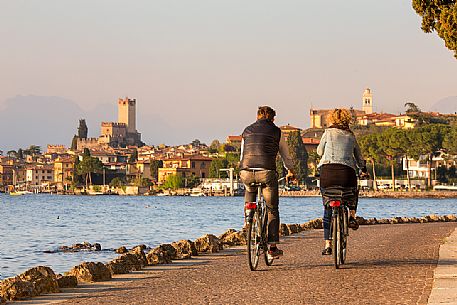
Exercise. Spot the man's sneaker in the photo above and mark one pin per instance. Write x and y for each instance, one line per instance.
(353, 224)
(275, 253)
(327, 251)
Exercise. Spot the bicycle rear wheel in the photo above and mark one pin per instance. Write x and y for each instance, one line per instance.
(336, 240)
(344, 235)
(268, 261)
(254, 242)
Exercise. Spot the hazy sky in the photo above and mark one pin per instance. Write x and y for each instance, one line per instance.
(200, 68)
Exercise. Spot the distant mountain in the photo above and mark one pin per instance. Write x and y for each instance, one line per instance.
(42, 120)
(446, 105)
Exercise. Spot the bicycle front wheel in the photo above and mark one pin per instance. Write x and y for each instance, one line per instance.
(254, 242)
(336, 240)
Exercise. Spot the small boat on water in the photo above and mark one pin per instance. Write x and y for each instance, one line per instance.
(19, 193)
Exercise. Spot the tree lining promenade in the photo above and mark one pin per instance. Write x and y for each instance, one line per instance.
(387, 264)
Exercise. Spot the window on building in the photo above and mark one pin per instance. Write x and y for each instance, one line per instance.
(193, 164)
(203, 165)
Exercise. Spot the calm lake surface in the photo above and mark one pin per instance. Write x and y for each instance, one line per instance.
(32, 224)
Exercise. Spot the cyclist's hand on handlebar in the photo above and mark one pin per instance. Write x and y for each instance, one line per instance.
(364, 176)
(290, 176)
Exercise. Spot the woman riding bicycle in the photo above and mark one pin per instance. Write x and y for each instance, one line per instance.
(341, 159)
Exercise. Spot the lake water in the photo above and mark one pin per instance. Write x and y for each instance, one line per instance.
(32, 224)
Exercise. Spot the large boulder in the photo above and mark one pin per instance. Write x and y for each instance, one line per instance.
(138, 252)
(91, 272)
(233, 238)
(15, 288)
(67, 281)
(433, 218)
(42, 278)
(185, 249)
(284, 230)
(450, 217)
(85, 246)
(158, 256)
(121, 250)
(125, 263)
(171, 251)
(316, 223)
(382, 221)
(208, 243)
(293, 228)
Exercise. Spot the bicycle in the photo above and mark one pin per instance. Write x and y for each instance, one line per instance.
(256, 219)
(338, 198)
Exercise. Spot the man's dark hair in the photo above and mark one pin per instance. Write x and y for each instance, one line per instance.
(266, 112)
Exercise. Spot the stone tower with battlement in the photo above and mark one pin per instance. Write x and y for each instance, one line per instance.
(367, 101)
(127, 113)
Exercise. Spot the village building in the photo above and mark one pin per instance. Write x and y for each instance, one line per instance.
(197, 166)
(64, 170)
(40, 175)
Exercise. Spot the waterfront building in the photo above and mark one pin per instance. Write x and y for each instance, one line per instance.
(197, 166)
(419, 168)
(6, 174)
(140, 169)
(64, 169)
(39, 175)
(234, 141)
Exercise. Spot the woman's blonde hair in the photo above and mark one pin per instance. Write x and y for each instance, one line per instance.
(340, 118)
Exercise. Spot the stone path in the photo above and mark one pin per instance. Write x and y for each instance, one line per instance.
(387, 264)
(445, 277)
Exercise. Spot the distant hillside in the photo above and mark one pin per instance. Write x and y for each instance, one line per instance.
(445, 105)
(42, 120)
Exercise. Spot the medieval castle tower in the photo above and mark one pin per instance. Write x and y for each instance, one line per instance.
(116, 134)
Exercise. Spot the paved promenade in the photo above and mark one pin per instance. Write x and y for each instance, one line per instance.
(387, 264)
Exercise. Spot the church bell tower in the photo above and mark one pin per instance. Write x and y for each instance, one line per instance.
(367, 101)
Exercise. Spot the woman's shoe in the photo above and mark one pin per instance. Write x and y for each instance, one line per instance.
(327, 251)
(353, 224)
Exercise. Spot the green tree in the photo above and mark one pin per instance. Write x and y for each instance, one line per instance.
(391, 148)
(450, 141)
(428, 140)
(74, 143)
(12, 154)
(173, 182)
(298, 154)
(133, 157)
(370, 146)
(116, 182)
(155, 165)
(87, 166)
(191, 181)
(214, 147)
(216, 165)
(439, 16)
(142, 182)
(412, 108)
(313, 160)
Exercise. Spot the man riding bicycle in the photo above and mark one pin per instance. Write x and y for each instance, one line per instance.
(261, 142)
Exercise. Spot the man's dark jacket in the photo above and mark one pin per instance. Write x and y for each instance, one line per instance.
(261, 145)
